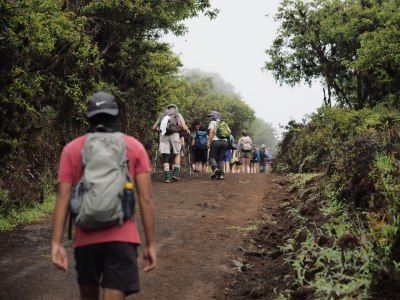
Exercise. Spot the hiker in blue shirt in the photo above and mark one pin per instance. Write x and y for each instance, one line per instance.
(200, 149)
(228, 156)
(255, 160)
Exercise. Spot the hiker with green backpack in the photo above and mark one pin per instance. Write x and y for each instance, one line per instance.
(101, 176)
(170, 124)
(218, 137)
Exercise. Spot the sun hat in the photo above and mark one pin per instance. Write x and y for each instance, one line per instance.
(215, 115)
(102, 103)
(172, 105)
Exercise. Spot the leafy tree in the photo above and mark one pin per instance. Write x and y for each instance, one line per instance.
(199, 95)
(48, 64)
(264, 133)
(351, 46)
(54, 53)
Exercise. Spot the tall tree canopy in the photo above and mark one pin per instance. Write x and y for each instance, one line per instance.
(55, 53)
(352, 46)
(200, 92)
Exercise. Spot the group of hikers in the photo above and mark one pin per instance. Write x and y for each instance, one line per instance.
(213, 147)
(242, 156)
(103, 174)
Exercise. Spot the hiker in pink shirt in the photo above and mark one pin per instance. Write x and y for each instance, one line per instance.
(105, 257)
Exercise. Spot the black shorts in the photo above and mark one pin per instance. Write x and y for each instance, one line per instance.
(200, 155)
(112, 265)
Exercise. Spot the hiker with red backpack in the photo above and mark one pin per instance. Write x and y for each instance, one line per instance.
(218, 136)
(200, 149)
(169, 124)
(101, 175)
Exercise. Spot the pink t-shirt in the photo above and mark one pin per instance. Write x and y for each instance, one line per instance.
(70, 170)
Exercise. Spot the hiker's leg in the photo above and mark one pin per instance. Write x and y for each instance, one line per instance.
(243, 165)
(121, 274)
(110, 294)
(167, 172)
(213, 155)
(203, 160)
(197, 159)
(247, 163)
(221, 146)
(176, 146)
(165, 150)
(89, 292)
(177, 160)
(89, 270)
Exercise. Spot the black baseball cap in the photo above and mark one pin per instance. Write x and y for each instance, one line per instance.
(102, 103)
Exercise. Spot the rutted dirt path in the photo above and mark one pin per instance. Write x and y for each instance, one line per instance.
(199, 233)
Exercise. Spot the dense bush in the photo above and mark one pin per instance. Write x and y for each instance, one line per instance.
(56, 53)
(358, 154)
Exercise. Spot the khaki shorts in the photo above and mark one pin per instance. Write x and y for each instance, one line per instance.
(246, 154)
(170, 142)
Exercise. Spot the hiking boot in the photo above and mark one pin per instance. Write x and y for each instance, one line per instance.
(175, 174)
(221, 177)
(167, 177)
(216, 173)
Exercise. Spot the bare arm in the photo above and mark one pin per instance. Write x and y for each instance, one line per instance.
(156, 126)
(58, 253)
(186, 128)
(210, 137)
(143, 184)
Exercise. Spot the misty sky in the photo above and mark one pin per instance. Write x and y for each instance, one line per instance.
(233, 45)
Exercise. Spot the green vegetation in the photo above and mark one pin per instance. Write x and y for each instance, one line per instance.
(56, 53)
(349, 248)
(330, 252)
(351, 46)
(13, 215)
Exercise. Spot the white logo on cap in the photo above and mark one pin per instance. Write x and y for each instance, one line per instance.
(100, 103)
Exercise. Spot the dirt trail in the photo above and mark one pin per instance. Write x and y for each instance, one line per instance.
(198, 233)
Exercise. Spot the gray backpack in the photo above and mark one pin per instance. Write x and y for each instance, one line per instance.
(174, 123)
(96, 201)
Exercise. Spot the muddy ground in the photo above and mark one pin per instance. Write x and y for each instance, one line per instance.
(216, 240)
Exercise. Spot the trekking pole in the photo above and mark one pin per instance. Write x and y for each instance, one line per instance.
(155, 162)
(156, 157)
(190, 164)
(189, 155)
